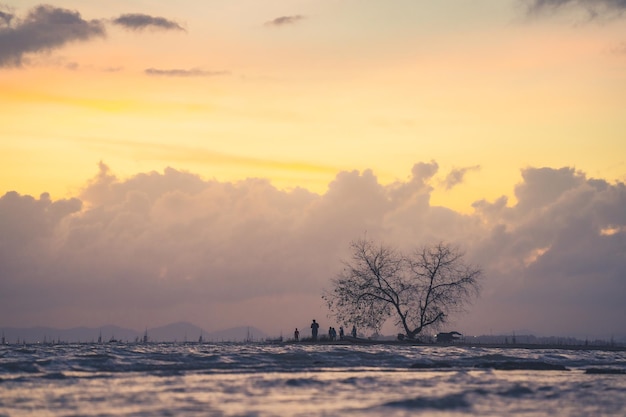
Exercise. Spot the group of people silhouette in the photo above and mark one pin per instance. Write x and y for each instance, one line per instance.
(332, 333)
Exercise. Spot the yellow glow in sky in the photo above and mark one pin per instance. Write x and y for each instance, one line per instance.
(342, 86)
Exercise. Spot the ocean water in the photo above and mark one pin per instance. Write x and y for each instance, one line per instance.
(258, 379)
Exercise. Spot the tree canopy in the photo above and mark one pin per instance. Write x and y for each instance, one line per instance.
(418, 290)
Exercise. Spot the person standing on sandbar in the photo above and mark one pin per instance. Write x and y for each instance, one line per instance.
(314, 328)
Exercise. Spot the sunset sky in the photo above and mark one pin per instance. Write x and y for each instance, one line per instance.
(210, 161)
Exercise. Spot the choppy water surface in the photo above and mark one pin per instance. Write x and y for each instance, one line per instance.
(308, 380)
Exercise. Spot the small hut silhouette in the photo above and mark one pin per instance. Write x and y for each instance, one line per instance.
(448, 337)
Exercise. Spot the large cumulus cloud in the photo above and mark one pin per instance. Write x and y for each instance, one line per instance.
(556, 256)
(170, 246)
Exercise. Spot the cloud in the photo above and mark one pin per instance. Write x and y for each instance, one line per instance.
(285, 20)
(5, 18)
(551, 249)
(594, 8)
(112, 69)
(161, 247)
(139, 21)
(176, 72)
(44, 28)
(456, 176)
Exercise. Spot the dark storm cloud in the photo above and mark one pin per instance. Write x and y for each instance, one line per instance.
(161, 247)
(284, 20)
(457, 175)
(138, 21)
(44, 28)
(595, 8)
(177, 72)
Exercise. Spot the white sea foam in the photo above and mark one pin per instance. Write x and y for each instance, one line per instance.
(308, 380)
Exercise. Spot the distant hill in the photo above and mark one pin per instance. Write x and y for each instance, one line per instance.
(187, 332)
(176, 332)
(236, 334)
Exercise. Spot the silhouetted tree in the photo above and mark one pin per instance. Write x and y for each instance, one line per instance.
(418, 290)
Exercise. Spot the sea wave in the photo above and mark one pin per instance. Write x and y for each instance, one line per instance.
(229, 358)
(308, 380)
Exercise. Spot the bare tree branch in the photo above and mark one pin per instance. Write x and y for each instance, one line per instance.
(418, 291)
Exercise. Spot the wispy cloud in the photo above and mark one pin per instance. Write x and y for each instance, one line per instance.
(457, 175)
(44, 28)
(284, 20)
(595, 8)
(139, 21)
(112, 69)
(177, 72)
(180, 154)
(5, 18)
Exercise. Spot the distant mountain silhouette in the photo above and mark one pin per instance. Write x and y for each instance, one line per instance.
(176, 332)
(187, 332)
(236, 334)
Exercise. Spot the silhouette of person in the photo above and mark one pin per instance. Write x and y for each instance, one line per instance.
(314, 328)
(354, 331)
(341, 333)
(330, 334)
(296, 335)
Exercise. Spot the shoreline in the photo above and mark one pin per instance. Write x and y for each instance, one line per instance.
(365, 342)
(528, 346)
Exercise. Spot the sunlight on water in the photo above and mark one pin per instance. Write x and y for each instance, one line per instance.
(307, 380)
